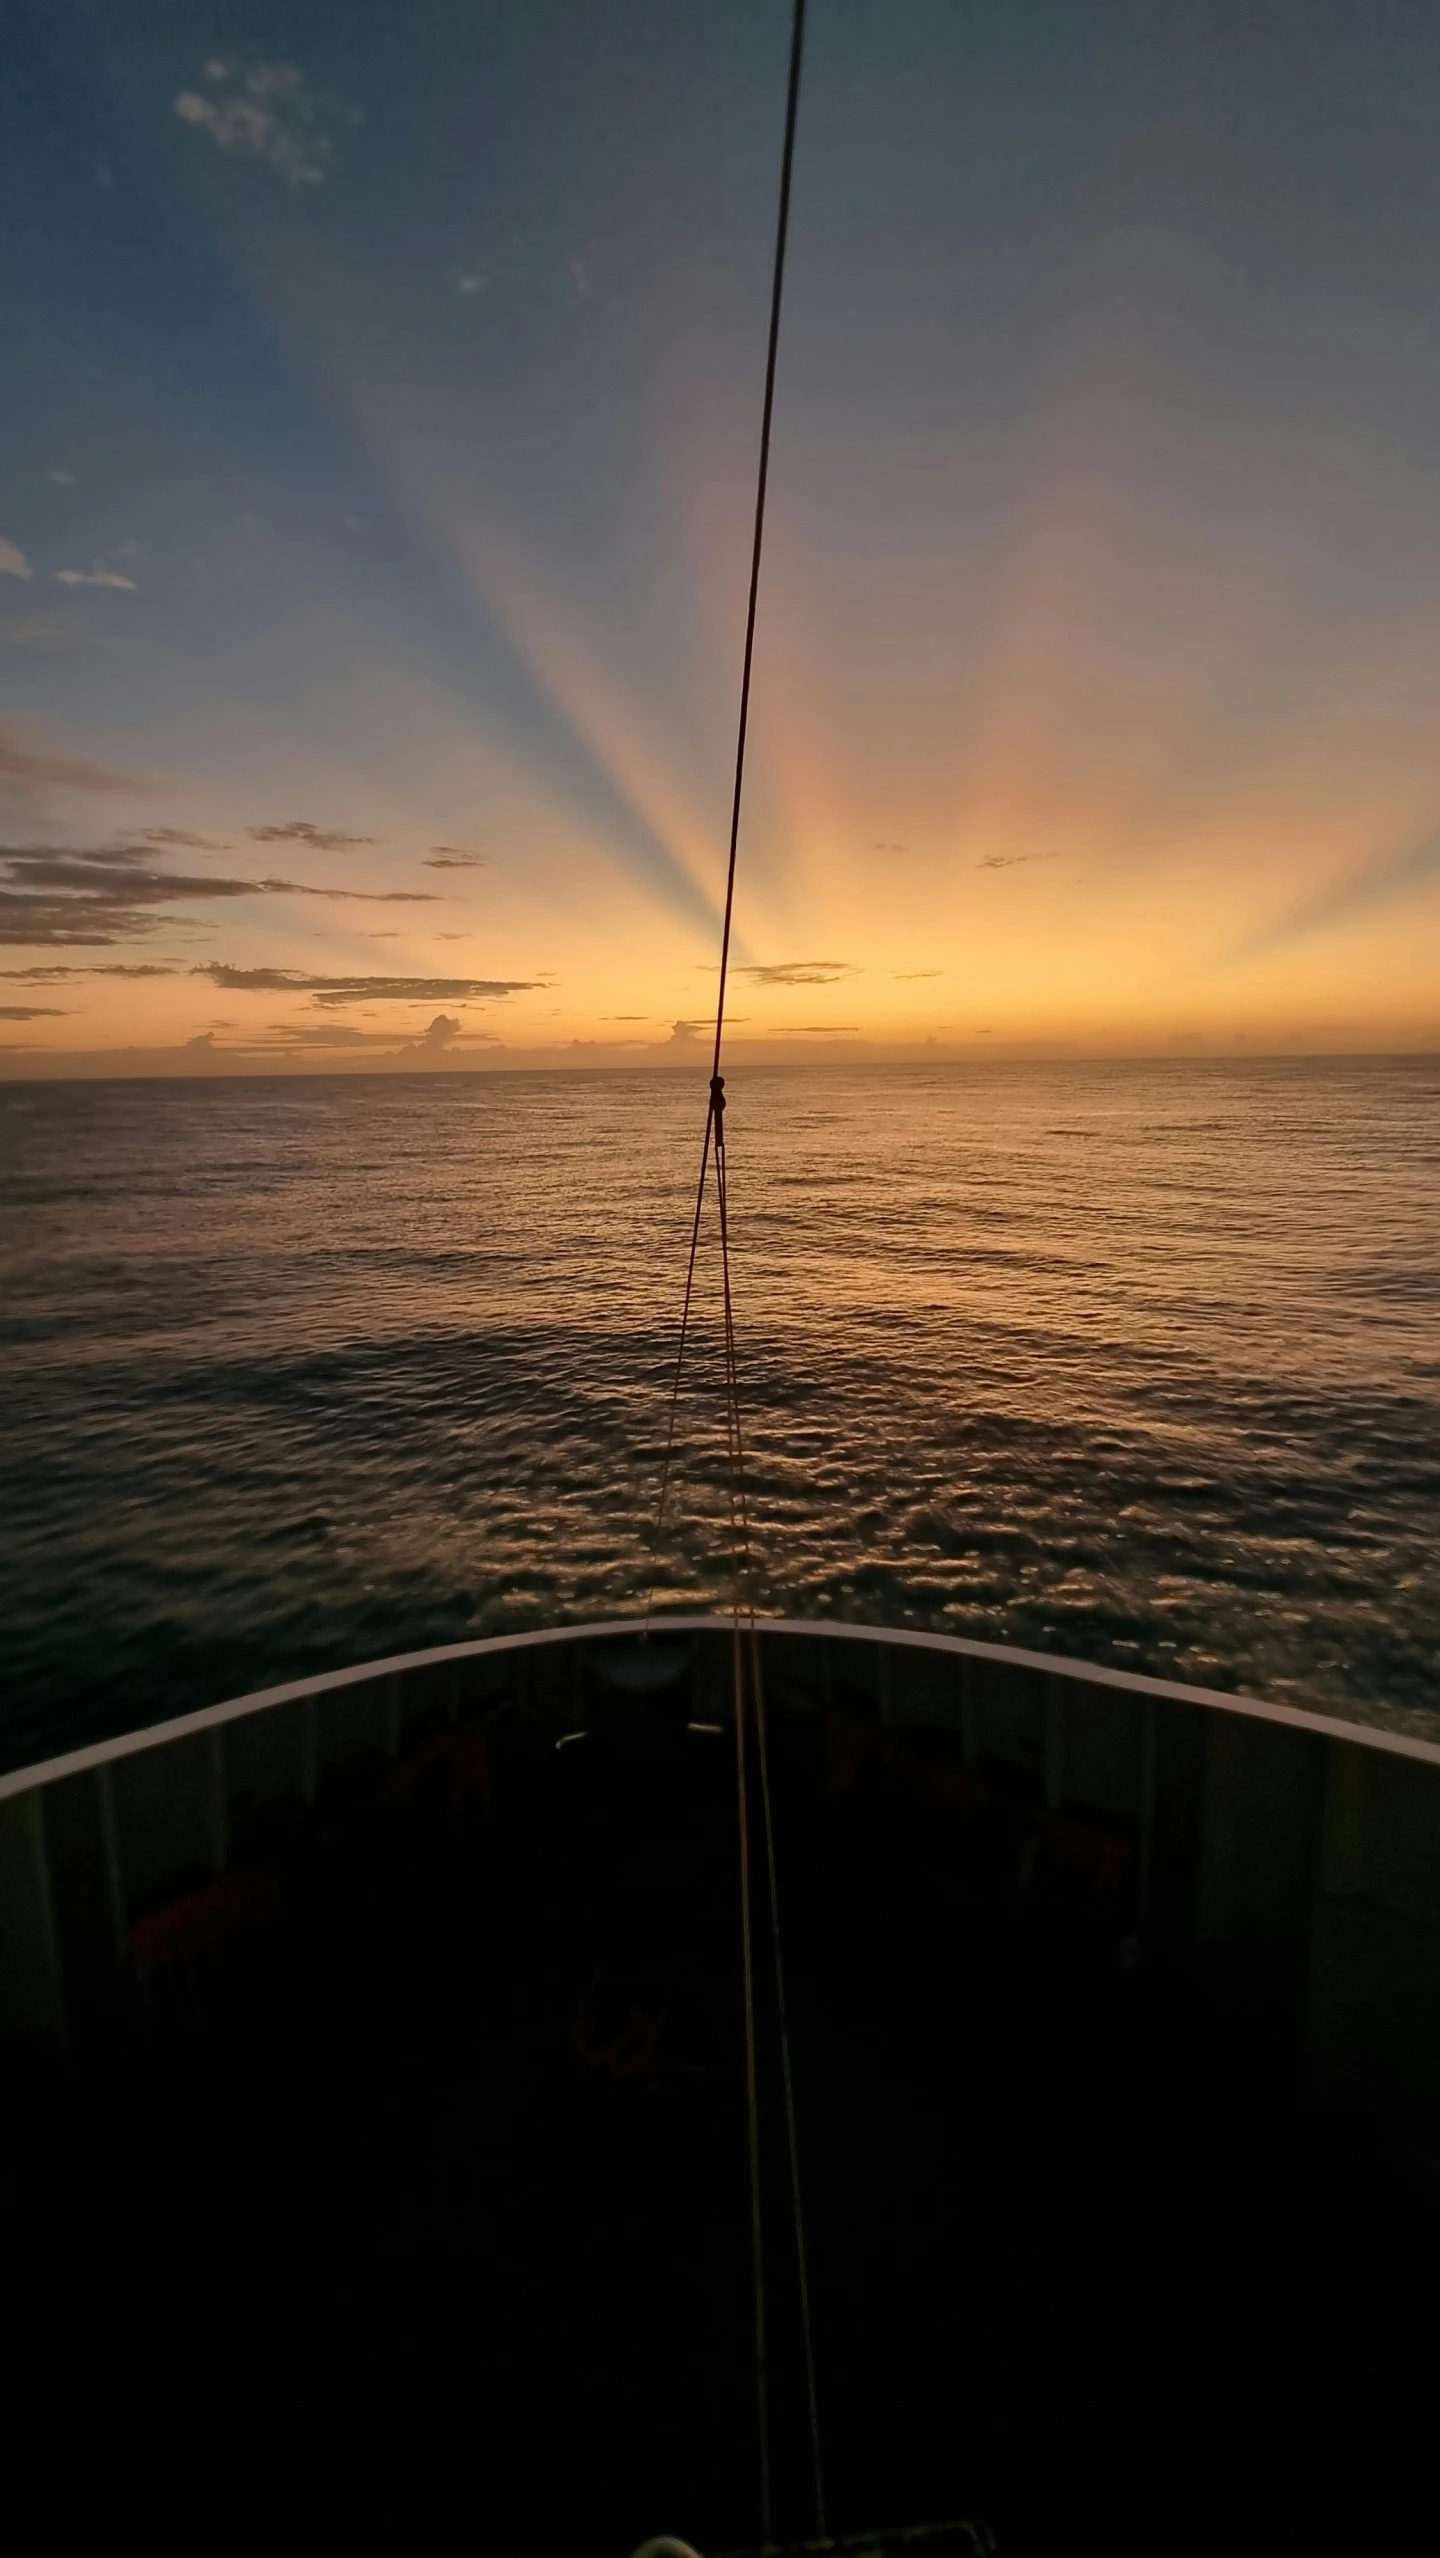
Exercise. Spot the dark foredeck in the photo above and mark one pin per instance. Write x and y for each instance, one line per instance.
(410, 2149)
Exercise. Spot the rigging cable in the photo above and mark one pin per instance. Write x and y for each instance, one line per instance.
(713, 1148)
(714, 1116)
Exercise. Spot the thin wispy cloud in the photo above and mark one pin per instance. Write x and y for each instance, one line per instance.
(912, 976)
(347, 896)
(270, 113)
(58, 974)
(454, 857)
(29, 771)
(112, 893)
(317, 839)
(32, 1012)
(13, 562)
(95, 577)
(801, 972)
(57, 899)
(1013, 861)
(330, 992)
(45, 633)
(172, 837)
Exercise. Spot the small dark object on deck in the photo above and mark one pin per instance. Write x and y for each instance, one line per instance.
(944, 2539)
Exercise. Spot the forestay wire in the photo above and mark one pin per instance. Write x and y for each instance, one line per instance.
(746, 1638)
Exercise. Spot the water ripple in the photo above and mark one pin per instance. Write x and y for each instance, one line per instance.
(1133, 1362)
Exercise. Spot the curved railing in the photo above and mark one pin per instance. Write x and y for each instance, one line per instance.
(1053, 1665)
(1276, 1853)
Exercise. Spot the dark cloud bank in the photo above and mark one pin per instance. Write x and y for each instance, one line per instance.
(92, 897)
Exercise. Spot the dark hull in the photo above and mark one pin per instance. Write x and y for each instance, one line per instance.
(402, 2065)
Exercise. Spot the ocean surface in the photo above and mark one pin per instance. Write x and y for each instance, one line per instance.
(1135, 1362)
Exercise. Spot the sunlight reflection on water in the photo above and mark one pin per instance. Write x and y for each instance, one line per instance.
(1135, 1362)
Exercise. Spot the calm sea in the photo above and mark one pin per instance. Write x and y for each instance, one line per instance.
(1133, 1362)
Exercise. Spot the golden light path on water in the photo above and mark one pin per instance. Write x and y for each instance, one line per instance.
(1128, 1361)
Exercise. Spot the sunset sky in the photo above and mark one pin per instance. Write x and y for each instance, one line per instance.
(376, 465)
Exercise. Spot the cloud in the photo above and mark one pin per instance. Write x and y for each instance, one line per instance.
(30, 1012)
(1378, 885)
(63, 479)
(202, 1039)
(912, 976)
(453, 857)
(309, 1034)
(94, 577)
(28, 773)
(1013, 861)
(814, 1029)
(13, 562)
(802, 972)
(317, 839)
(90, 898)
(687, 1034)
(269, 113)
(46, 631)
(468, 284)
(164, 836)
(112, 893)
(442, 1031)
(332, 991)
(54, 975)
(283, 1037)
(360, 896)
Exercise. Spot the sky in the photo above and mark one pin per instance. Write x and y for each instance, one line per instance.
(382, 387)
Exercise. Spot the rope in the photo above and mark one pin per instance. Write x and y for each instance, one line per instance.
(752, 2100)
(684, 1325)
(789, 2084)
(713, 1148)
(714, 1121)
(742, 1600)
(782, 228)
(740, 1552)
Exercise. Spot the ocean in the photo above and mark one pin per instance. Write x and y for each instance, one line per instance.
(1136, 1362)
